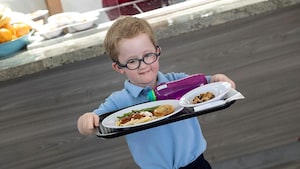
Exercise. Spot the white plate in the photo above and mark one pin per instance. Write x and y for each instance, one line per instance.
(51, 33)
(38, 14)
(110, 121)
(219, 89)
(83, 25)
(62, 19)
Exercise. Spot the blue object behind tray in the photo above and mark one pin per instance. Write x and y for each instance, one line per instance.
(8, 48)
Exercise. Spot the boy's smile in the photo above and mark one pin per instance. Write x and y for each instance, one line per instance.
(137, 48)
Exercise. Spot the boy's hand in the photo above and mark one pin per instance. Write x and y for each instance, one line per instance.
(222, 78)
(87, 122)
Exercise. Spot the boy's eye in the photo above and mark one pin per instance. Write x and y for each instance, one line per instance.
(132, 61)
(148, 55)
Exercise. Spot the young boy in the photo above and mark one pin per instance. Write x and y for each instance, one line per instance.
(132, 46)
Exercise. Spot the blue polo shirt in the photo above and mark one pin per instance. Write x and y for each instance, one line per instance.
(169, 146)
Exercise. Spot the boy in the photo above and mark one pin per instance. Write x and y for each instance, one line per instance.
(132, 46)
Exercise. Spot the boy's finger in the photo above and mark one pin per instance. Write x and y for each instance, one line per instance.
(96, 120)
(89, 124)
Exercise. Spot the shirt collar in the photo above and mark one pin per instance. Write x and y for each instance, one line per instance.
(135, 90)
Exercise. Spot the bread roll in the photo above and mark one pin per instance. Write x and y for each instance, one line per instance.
(163, 110)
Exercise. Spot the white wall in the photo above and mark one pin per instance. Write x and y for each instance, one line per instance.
(84, 6)
(25, 6)
(29, 6)
(80, 5)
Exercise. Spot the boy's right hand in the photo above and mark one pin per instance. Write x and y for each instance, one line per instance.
(87, 123)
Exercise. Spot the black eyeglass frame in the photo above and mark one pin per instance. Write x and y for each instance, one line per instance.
(140, 60)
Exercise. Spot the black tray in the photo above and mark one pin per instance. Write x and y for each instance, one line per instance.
(105, 132)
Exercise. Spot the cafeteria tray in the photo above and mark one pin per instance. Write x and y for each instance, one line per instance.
(185, 113)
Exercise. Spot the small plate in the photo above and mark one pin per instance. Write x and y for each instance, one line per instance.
(62, 19)
(219, 89)
(50, 31)
(84, 24)
(110, 121)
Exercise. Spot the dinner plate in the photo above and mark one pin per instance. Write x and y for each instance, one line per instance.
(219, 89)
(110, 121)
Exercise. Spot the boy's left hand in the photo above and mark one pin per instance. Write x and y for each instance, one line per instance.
(222, 78)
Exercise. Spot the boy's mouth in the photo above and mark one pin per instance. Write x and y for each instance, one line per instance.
(144, 72)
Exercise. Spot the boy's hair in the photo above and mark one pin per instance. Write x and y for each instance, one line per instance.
(126, 27)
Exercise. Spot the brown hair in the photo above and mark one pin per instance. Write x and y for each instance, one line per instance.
(125, 27)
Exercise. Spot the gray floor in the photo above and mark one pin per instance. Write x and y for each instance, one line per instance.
(38, 113)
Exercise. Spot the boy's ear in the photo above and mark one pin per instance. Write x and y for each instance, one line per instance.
(115, 66)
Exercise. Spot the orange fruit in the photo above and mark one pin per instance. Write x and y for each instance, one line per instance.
(4, 21)
(11, 28)
(21, 29)
(5, 35)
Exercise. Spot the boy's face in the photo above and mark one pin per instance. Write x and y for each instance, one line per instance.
(137, 48)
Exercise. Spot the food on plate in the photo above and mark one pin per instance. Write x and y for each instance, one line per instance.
(9, 31)
(5, 35)
(21, 29)
(163, 110)
(4, 20)
(144, 115)
(202, 97)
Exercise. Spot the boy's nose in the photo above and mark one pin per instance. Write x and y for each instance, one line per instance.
(142, 64)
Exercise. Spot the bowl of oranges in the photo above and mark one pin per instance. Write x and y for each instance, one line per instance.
(13, 36)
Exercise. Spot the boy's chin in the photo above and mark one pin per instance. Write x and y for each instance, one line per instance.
(146, 82)
(150, 82)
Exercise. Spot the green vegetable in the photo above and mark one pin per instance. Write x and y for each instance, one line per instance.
(150, 109)
(126, 114)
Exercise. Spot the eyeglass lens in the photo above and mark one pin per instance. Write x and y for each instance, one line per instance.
(148, 59)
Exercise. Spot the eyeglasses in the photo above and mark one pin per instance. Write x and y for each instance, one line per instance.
(148, 59)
